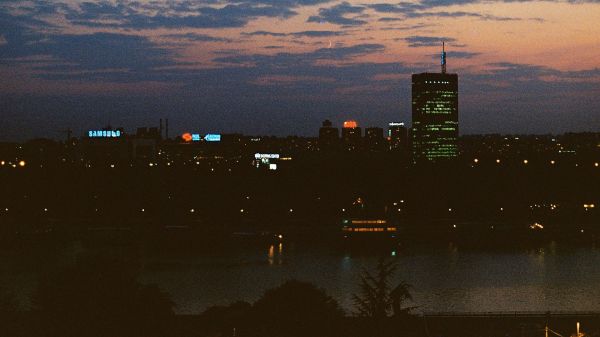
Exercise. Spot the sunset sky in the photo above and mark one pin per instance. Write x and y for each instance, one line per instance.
(280, 67)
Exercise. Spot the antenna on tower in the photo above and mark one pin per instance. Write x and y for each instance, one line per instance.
(443, 58)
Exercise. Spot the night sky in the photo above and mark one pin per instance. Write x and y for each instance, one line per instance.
(280, 67)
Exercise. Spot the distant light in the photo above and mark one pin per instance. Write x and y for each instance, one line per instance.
(192, 210)
(350, 124)
(449, 209)
(595, 164)
(454, 226)
(150, 164)
(187, 137)
(498, 161)
(22, 163)
(393, 253)
(142, 210)
(45, 210)
(581, 231)
(280, 236)
(343, 209)
(525, 161)
(476, 160)
(536, 225)
(242, 210)
(2, 163)
(195, 137)
(291, 210)
(112, 165)
(501, 209)
(552, 162)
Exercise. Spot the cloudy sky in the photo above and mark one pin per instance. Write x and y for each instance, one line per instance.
(282, 66)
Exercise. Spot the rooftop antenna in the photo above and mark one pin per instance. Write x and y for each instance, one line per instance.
(443, 58)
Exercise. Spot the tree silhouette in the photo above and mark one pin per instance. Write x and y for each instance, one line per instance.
(297, 309)
(100, 296)
(376, 298)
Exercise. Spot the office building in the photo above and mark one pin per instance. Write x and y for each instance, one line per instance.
(435, 115)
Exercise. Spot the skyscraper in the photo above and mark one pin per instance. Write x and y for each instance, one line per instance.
(435, 115)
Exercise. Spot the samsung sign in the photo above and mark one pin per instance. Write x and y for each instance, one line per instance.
(104, 134)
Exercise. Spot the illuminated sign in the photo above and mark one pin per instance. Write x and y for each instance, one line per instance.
(350, 124)
(104, 133)
(187, 137)
(266, 155)
(396, 124)
(212, 137)
(196, 137)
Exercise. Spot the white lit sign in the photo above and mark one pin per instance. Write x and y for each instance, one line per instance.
(104, 133)
(396, 124)
(266, 155)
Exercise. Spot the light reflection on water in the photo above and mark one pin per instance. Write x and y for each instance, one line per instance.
(447, 279)
(444, 278)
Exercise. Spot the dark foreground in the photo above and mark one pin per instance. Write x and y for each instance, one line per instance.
(500, 324)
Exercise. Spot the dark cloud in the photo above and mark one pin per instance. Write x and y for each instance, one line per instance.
(197, 37)
(263, 33)
(422, 9)
(426, 41)
(121, 15)
(307, 33)
(288, 59)
(457, 55)
(338, 15)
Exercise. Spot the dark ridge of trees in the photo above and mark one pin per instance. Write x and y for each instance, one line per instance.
(297, 309)
(100, 296)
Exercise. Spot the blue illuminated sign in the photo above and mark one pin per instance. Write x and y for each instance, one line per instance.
(211, 137)
(196, 137)
(104, 133)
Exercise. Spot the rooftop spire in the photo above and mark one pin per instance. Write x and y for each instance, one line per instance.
(443, 58)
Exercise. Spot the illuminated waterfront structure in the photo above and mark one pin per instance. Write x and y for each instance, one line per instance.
(435, 115)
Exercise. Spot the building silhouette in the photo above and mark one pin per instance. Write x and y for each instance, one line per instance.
(435, 115)
(328, 136)
(374, 138)
(397, 136)
(351, 135)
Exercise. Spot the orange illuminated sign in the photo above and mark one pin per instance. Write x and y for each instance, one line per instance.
(350, 124)
(187, 137)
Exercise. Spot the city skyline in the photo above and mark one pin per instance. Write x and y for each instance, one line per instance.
(279, 68)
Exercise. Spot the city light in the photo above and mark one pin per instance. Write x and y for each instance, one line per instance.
(497, 161)
(187, 137)
(476, 160)
(350, 124)
(525, 161)
(22, 163)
